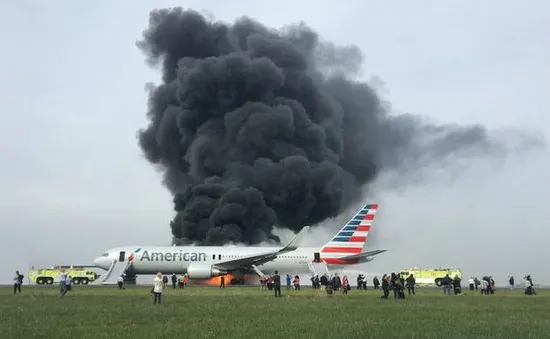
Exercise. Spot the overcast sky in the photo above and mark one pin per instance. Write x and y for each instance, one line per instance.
(74, 181)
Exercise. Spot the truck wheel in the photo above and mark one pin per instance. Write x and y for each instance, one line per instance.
(233, 281)
(241, 281)
(438, 282)
(49, 281)
(84, 281)
(40, 281)
(76, 281)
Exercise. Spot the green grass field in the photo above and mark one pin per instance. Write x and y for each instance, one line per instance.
(241, 312)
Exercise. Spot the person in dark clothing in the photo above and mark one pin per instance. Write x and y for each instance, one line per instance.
(400, 282)
(334, 283)
(490, 285)
(477, 283)
(17, 282)
(529, 287)
(360, 281)
(324, 280)
(456, 285)
(447, 283)
(385, 286)
(222, 281)
(316, 282)
(511, 282)
(277, 284)
(375, 283)
(394, 284)
(174, 280)
(410, 284)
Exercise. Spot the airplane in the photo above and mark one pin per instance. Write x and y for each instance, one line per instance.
(205, 262)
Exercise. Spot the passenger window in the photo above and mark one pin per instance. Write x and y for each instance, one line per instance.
(219, 257)
(213, 257)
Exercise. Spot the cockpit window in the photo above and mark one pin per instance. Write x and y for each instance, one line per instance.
(105, 255)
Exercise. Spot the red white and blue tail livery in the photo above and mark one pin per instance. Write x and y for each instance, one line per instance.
(346, 247)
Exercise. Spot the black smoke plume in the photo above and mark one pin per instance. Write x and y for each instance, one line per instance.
(256, 128)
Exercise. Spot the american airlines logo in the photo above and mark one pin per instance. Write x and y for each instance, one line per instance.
(172, 256)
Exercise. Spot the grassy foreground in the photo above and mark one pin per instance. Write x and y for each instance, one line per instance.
(241, 312)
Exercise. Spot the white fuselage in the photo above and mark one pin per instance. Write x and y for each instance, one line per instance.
(176, 259)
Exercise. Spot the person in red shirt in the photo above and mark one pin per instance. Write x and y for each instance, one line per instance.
(345, 285)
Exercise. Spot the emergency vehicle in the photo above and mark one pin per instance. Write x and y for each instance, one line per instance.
(48, 276)
(430, 277)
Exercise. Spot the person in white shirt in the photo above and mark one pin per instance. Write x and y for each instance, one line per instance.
(484, 287)
(68, 285)
(158, 285)
(62, 283)
(471, 282)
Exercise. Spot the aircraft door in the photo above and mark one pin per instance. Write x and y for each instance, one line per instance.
(122, 256)
(316, 257)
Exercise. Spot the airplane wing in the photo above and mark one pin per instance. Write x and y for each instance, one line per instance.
(363, 254)
(262, 258)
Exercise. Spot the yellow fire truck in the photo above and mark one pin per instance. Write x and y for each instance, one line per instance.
(430, 277)
(79, 274)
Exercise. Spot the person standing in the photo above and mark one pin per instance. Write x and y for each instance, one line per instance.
(62, 283)
(375, 282)
(277, 284)
(386, 286)
(471, 283)
(288, 281)
(180, 281)
(222, 281)
(158, 287)
(174, 280)
(410, 282)
(17, 282)
(447, 283)
(185, 280)
(345, 285)
(164, 282)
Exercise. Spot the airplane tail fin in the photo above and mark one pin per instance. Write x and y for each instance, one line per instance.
(353, 236)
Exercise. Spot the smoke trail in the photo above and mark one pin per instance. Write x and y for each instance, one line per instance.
(256, 127)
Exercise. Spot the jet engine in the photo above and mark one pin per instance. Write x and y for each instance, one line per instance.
(202, 271)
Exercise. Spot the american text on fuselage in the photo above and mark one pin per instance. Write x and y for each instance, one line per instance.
(172, 256)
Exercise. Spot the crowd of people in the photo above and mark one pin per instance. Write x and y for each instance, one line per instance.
(399, 285)
(331, 283)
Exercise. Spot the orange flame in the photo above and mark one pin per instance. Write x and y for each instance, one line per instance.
(216, 281)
